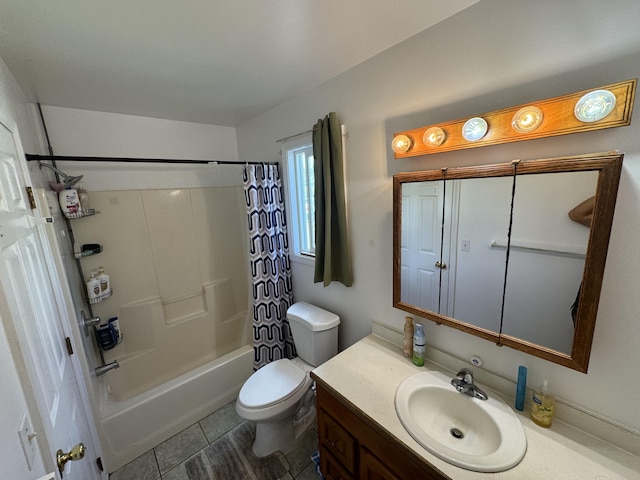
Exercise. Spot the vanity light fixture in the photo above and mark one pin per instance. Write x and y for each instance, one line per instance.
(606, 106)
(595, 106)
(527, 119)
(434, 136)
(474, 129)
(401, 144)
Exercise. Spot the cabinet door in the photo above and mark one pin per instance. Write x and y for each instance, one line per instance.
(372, 468)
(334, 438)
(332, 469)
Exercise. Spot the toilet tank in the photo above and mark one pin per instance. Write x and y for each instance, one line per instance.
(315, 332)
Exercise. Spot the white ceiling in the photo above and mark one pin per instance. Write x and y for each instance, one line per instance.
(220, 62)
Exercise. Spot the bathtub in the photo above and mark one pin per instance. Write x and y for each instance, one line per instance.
(132, 427)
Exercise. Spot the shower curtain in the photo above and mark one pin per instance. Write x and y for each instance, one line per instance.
(270, 264)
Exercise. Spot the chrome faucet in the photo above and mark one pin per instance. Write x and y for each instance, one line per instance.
(102, 369)
(464, 384)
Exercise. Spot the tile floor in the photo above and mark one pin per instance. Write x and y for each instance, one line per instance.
(166, 461)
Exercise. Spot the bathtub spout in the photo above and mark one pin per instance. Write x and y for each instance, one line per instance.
(102, 369)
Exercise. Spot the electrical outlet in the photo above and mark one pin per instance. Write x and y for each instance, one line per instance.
(466, 245)
(27, 439)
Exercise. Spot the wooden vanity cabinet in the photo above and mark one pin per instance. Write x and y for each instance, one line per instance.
(352, 448)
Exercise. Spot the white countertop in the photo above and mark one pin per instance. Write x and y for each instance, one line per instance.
(368, 373)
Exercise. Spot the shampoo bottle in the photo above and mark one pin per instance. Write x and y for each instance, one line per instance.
(105, 281)
(408, 337)
(543, 406)
(69, 202)
(115, 324)
(418, 345)
(93, 287)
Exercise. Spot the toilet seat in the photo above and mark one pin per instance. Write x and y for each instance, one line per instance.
(273, 384)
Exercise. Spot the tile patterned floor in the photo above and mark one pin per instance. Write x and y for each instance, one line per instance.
(167, 460)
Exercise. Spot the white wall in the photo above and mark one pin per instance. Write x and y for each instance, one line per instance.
(84, 132)
(496, 54)
(16, 397)
(76, 132)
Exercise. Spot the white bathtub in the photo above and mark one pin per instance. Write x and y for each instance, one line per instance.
(132, 427)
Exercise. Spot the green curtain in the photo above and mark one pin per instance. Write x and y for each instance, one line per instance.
(333, 255)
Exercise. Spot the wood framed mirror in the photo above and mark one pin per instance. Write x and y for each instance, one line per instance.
(492, 250)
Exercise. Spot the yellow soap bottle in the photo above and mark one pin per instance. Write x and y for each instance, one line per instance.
(543, 406)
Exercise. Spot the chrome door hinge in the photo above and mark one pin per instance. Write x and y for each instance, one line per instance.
(32, 200)
(67, 340)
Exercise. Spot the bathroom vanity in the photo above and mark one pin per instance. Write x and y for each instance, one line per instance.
(352, 447)
(361, 436)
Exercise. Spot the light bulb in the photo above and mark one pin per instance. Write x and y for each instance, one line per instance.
(401, 144)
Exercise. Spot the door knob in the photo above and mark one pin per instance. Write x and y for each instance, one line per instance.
(76, 453)
(441, 265)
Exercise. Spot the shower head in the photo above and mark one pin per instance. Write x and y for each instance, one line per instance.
(68, 180)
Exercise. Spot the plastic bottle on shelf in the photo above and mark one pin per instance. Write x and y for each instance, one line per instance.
(115, 323)
(418, 345)
(93, 286)
(69, 202)
(408, 337)
(83, 198)
(105, 281)
(543, 406)
(521, 389)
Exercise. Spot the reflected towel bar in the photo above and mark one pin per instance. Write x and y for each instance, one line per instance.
(574, 251)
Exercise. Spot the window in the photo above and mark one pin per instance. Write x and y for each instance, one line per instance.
(298, 157)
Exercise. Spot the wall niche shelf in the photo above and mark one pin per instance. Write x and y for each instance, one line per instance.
(608, 106)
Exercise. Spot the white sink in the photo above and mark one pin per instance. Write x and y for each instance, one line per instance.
(479, 435)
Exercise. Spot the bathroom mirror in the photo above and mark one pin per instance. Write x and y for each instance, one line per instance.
(491, 250)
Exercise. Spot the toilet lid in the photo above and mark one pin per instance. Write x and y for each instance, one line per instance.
(273, 383)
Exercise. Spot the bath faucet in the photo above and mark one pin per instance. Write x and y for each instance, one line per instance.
(102, 369)
(464, 384)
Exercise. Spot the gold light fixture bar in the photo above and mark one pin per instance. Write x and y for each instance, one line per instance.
(544, 118)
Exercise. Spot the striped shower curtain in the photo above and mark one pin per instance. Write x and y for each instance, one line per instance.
(270, 265)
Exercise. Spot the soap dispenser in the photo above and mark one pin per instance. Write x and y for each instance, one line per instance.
(105, 281)
(93, 287)
(543, 406)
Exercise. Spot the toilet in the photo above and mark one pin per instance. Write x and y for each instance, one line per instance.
(279, 397)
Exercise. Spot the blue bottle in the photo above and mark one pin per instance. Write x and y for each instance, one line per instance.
(521, 389)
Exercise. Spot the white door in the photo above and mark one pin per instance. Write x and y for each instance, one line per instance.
(37, 308)
(420, 244)
(427, 259)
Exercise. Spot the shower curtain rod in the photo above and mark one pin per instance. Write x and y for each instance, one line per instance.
(290, 137)
(62, 158)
